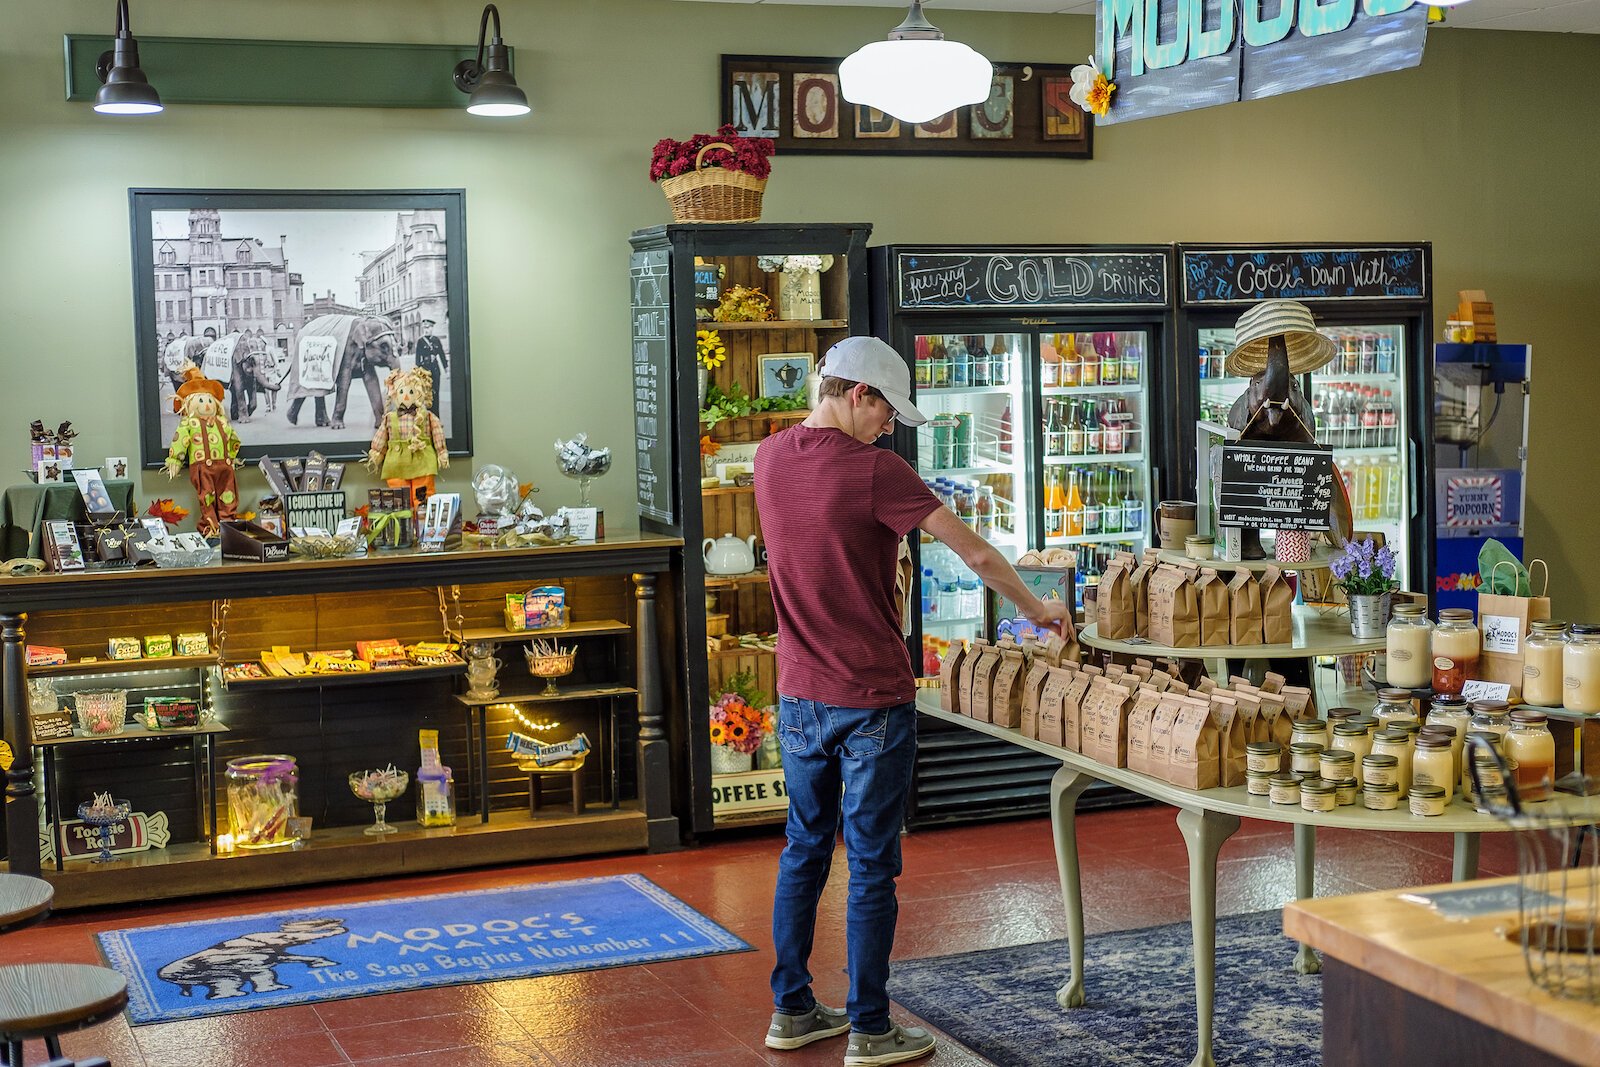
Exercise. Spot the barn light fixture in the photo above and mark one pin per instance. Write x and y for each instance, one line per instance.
(494, 91)
(124, 90)
(916, 75)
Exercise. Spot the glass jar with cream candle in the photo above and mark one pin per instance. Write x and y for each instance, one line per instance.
(1432, 764)
(1457, 740)
(1380, 768)
(1285, 789)
(1542, 664)
(1489, 773)
(1305, 757)
(1351, 737)
(1200, 547)
(1380, 797)
(1337, 764)
(1264, 756)
(1455, 651)
(1314, 731)
(1318, 795)
(1532, 746)
(1409, 647)
(1455, 713)
(1581, 669)
(1336, 714)
(1394, 704)
(1347, 790)
(1396, 743)
(1259, 783)
(1428, 800)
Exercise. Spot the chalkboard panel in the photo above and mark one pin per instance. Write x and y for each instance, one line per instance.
(652, 382)
(1275, 487)
(1029, 279)
(1247, 275)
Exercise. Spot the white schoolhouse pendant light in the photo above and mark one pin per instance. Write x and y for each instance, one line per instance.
(916, 75)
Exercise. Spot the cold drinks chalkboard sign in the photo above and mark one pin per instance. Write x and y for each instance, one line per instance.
(652, 382)
(1243, 276)
(1029, 280)
(1275, 487)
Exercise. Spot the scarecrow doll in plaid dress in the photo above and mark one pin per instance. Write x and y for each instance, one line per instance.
(206, 442)
(409, 446)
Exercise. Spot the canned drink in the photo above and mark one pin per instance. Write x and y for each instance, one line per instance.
(961, 440)
(942, 427)
(1205, 362)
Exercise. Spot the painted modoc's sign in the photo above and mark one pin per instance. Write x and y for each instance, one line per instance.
(1166, 56)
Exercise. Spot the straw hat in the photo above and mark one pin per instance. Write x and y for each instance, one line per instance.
(1289, 319)
(195, 381)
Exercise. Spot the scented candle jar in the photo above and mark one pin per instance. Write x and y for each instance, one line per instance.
(1199, 547)
(1409, 647)
(1263, 756)
(1351, 737)
(1396, 743)
(1491, 716)
(1336, 765)
(1305, 757)
(1451, 734)
(1380, 769)
(1313, 731)
(1542, 664)
(1380, 797)
(1347, 790)
(1428, 800)
(1581, 669)
(1431, 764)
(1457, 716)
(1259, 783)
(1285, 789)
(1490, 775)
(1485, 764)
(1532, 746)
(1319, 795)
(1393, 705)
(1455, 651)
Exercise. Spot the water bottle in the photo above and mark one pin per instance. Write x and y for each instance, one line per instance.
(950, 600)
(930, 594)
(971, 599)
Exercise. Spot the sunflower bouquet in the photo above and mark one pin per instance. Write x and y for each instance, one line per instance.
(709, 349)
(737, 725)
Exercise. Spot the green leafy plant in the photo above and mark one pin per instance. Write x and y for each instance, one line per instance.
(735, 403)
(743, 686)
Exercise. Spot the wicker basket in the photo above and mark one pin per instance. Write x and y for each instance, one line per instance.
(714, 194)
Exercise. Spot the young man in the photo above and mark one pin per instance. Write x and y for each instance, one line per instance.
(833, 510)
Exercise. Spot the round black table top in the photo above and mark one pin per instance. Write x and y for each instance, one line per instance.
(23, 899)
(41, 999)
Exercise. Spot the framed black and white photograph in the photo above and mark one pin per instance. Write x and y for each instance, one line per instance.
(301, 304)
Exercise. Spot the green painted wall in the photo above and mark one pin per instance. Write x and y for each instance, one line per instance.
(1486, 150)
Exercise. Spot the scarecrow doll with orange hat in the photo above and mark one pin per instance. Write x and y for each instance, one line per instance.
(207, 443)
(409, 447)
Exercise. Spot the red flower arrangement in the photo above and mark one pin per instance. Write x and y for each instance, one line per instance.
(750, 155)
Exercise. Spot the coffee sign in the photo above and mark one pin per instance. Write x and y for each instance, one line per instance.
(1166, 56)
(1275, 487)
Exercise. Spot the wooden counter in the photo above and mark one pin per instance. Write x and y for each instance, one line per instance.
(1403, 985)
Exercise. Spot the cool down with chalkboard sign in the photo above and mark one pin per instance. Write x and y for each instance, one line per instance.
(1276, 487)
(652, 382)
(1220, 276)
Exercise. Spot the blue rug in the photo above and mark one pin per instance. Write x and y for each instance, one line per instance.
(241, 963)
(1001, 1003)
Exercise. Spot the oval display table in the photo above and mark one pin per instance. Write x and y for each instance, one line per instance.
(1207, 818)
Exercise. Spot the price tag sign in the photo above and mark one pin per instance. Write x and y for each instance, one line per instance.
(1275, 487)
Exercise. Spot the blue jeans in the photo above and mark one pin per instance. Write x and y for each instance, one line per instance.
(868, 752)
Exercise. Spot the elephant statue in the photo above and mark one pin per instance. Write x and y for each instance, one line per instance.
(363, 346)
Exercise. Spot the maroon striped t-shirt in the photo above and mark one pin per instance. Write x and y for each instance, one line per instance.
(833, 511)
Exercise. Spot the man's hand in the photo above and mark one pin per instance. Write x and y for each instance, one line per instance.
(1050, 615)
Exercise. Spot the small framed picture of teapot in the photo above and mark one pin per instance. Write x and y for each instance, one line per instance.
(784, 373)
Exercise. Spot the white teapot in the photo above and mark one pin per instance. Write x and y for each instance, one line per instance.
(729, 555)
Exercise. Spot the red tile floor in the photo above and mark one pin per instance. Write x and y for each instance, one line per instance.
(963, 889)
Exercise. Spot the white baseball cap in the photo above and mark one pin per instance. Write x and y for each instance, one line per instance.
(871, 361)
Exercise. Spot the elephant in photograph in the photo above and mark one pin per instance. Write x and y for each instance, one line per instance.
(368, 344)
(252, 960)
(179, 354)
(242, 383)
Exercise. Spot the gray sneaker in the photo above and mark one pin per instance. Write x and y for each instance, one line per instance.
(795, 1031)
(900, 1044)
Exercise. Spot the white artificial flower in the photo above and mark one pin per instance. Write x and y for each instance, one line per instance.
(1083, 76)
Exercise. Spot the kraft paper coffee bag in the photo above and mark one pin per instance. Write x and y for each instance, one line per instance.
(1072, 711)
(1174, 612)
(983, 682)
(1207, 685)
(1211, 593)
(1244, 610)
(950, 677)
(1230, 739)
(1055, 688)
(1115, 671)
(1114, 611)
(1277, 608)
(1178, 687)
(1193, 762)
(1104, 717)
(1160, 680)
(1139, 590)
(1272, 683)
(1032, 691)
(1300, 702)
(1276, 715)
(1005, 698)
(1139, 719)
(1255, 729)
(1161, 734)
(969, 666)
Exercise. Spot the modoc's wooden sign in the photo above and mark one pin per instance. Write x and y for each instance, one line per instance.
(1166, 56)
(749, 791)
(795, 100)
(1275, 487)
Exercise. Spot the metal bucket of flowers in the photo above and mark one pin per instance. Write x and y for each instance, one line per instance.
(713, 177)
(739, 724)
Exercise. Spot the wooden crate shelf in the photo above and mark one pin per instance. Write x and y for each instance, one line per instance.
(757, 577)
(741, 651)
(730, 490)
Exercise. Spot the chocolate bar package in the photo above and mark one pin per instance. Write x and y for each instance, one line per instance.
(272, 471)
(334, 477)
(294, 470)
(311, 481)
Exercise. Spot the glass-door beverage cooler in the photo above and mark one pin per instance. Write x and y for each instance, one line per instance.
(1371, 402)
(1035, 366)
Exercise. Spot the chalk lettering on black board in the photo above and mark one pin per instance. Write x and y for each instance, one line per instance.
(1221, 276)
(1028, 278)
(1275, 487)
(652, 383)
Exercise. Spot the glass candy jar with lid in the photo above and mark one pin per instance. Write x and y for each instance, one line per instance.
(1409, 647)
(1542, 666)
(1529, 743)
(1581, 669)
(1394, 704)
(263, 795)
(1455, 650)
